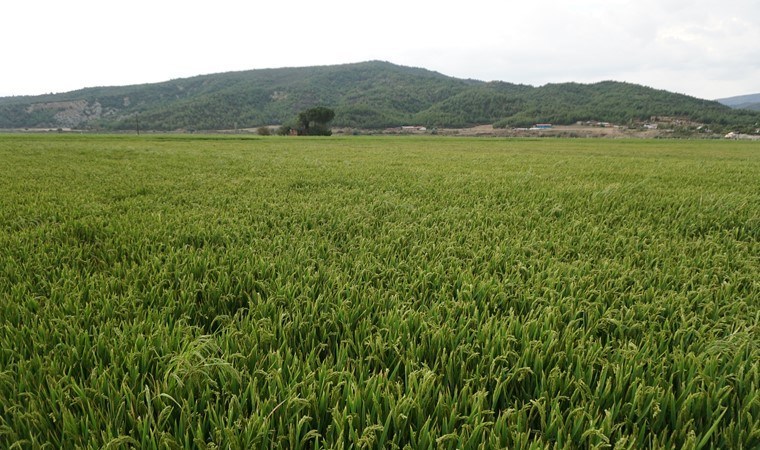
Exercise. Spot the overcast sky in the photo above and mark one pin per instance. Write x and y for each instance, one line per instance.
(708, 49)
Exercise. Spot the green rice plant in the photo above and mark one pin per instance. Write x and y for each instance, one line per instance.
(364, 292)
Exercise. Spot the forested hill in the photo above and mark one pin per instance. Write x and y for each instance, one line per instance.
(364, 95)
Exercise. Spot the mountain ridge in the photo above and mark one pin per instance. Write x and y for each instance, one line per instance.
(372, 94)
(747, 101)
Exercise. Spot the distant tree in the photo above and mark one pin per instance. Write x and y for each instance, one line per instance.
(313, 121)
(263, 131)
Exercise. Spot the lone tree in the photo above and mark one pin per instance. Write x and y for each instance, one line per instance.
(313, 121)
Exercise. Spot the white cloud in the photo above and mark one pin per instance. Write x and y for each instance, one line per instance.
(690, 46)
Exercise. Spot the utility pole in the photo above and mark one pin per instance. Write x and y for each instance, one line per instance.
(137, 119)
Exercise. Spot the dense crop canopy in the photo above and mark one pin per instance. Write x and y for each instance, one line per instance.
(378, 293)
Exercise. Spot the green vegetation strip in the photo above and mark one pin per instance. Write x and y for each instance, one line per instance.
(378, 293)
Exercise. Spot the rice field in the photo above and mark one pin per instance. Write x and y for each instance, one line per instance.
(367, 292)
